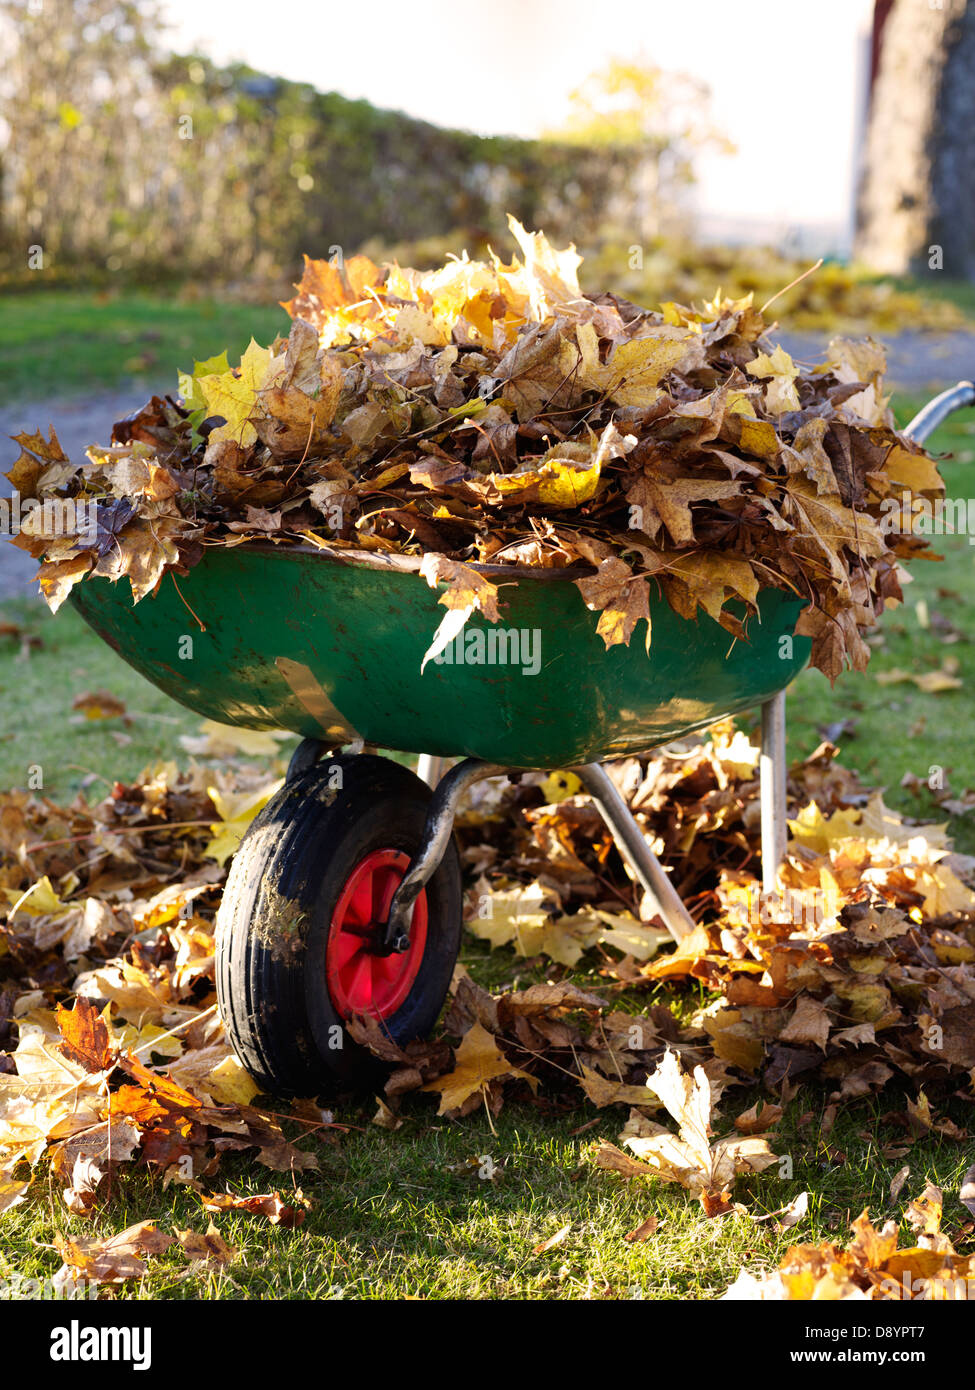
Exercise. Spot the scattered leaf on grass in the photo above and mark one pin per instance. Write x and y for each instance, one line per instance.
(553, 1241)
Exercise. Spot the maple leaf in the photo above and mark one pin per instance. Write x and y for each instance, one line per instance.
(207, 1248)
(668, 502)
(112, 1260)
(236, 810)
(477, 1064)
(780, 394)
(214, 1074)
(143, 551)
(711, 578)
(338, 303)
(142, 477)
(525, 917)
(636, 367)
(818, 832)
(705, 1169)
(188, 385)
(270, 1204)
(58, 577)
(565, 476)
(551, 274)
(233, 394)
(466, 591)
(810, 1023)
(808, 454)
(758, 1121)
(914, 470)
(42, 465)
(621, 598)
(603, 1091)
(38, 900)
(85, 1036)
(98, 704)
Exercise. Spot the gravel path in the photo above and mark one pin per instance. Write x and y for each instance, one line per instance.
(915, 361)
(918, 362)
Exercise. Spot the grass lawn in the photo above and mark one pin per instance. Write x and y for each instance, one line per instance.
(59, 342)
(37, 687)
(394, 1218)
(404, 1213)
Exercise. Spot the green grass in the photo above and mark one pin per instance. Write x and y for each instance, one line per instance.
(936, 285)
(64, 342)
(37, 688)
(392, 1216)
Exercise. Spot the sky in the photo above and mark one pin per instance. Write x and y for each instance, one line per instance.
(785, 77)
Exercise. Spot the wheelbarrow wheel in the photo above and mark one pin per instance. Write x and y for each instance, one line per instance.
(308, 887)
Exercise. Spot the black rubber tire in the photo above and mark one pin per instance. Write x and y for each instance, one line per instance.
(277, 907)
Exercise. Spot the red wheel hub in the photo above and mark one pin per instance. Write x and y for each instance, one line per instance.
(359, 981)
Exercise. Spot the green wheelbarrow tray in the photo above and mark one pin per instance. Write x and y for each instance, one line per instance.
(330, 647)
(329, 644)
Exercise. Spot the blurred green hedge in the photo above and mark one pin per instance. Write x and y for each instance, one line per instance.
(224, 172)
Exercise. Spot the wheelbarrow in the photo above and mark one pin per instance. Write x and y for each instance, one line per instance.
(344, 897)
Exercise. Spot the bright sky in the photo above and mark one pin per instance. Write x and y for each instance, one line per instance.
(784, 75)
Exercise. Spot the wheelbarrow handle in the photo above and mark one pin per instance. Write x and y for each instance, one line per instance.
(929, 417)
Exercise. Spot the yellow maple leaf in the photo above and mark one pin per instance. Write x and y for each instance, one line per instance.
(231, 1084)
(233, 394)
(477, 1062)
(467, 590)
(39, 900)
(708, 574)
(917, 472)
(236, 811)
(817, 832)
(556, 482)
(58, 577)
(149, 1038)
(637, 366)
(557, 786)
(780, 393)
(602, 1091)
(690, 1158)
(551, 275)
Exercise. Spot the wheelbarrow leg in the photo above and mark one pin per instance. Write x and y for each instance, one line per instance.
(306, 755)
(633, 846)
(617, 815)
(430, 768)
(436, 834)
(772, 775)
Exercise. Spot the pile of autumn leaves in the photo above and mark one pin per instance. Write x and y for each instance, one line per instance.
(115, 1054)
(862, 966)
(493, 413)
